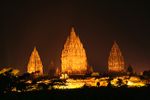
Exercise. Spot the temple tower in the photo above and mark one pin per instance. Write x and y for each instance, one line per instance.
(73, 57)
(115, 60)
(35, 63)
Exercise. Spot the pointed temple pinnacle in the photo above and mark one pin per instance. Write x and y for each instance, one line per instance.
(72, 29)
(72, 33)
(115, 42)
(35, 48)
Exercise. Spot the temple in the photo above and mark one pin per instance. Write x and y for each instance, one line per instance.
(73, 57)
(115, 60)
(35, 63)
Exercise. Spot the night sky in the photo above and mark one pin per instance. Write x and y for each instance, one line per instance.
(46, 25)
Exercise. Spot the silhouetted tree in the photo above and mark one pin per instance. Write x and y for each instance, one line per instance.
(43, 86)
(146, 73)
(119, 82)
(7, 81)
(109, 84)
(130, 70)
(21, 86)
(98, 84)
(25, 76)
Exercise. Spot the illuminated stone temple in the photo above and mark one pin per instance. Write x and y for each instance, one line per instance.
(35, 63)
(73, 57)
(115, 60)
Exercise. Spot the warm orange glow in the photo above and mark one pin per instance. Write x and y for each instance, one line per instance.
(73, 58)
(136, 82)
(4, 70)
(115, 60)
(14, 71)
(35, 63)
(115, 82)
(64, 76)
(133, 81)
(70, 83)
(95, 74)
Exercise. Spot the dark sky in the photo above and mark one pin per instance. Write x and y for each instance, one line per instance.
(47, 25)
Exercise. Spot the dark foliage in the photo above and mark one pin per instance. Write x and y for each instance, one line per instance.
(83, 94)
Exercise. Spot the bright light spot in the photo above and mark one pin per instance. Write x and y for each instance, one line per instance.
(64, 76)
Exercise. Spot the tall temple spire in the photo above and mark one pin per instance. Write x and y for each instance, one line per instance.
(35, 63)
(72, 33)
(73, 57)
(115, 60)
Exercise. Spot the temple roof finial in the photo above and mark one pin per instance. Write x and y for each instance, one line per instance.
(34, 47)
(72, 33)
(115, 43)
(72, 29)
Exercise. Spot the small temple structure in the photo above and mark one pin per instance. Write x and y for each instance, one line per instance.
(73, 57)
(35, 63)
(116, 60)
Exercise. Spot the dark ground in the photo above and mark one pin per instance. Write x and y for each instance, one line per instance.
(84, 94)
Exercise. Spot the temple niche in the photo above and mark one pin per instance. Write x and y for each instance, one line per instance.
(116, 60)
(73, 57)
(35, 63)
